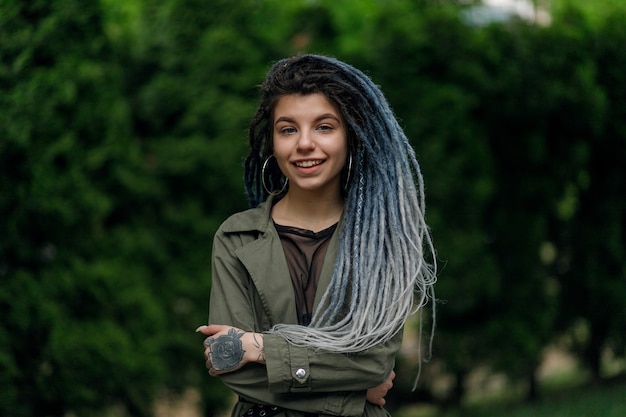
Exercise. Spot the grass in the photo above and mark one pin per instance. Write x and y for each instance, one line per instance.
(608, 400)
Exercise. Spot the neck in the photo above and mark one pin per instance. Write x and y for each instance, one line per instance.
(310, 212)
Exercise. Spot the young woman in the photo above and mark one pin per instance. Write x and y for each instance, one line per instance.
(312, 286)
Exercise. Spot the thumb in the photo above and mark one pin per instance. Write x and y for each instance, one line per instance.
(211, 329)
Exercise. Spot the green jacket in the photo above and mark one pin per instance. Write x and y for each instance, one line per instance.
(251, 289)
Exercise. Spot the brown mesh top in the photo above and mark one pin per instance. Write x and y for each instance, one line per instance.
(305, 251)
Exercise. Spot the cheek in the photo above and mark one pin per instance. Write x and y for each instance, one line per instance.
(342, 151)
(281, 154)
(281, 147)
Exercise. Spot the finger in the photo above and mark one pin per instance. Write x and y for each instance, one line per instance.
(211, 329)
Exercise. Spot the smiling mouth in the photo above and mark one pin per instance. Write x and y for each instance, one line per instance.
(308, 164)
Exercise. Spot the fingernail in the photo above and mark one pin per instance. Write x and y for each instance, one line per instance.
(198, 329)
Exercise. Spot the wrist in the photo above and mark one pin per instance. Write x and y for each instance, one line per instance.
(254, 347)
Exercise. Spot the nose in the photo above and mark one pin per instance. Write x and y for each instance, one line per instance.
(305, 140)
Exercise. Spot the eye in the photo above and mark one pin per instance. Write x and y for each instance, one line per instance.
(325, 128)
(288, 130)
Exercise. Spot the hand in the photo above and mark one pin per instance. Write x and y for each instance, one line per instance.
(228, 348)
(377, 394)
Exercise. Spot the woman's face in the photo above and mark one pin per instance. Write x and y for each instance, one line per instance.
(310, 143)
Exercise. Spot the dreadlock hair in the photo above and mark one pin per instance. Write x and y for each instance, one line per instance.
(382, 274)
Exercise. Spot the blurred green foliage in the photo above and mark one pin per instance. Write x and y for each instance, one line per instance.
(123, 133)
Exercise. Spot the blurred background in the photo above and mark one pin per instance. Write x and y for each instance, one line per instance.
(123, 129)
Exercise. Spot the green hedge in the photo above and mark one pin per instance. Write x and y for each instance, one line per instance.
(123, 132)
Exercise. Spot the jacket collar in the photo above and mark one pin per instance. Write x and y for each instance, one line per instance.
(256, 219)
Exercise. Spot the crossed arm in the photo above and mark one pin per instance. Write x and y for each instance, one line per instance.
(266, 365)
(228, 349)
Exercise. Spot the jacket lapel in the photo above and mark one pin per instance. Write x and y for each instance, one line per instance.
(265, 261)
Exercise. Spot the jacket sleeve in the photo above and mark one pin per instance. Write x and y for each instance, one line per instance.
(296, 378)
(298, 369)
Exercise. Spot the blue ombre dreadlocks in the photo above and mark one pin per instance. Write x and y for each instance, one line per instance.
(382, 274)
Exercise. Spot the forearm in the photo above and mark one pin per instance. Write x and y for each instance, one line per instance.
(297, 369)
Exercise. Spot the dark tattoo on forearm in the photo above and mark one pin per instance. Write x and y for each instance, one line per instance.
(259, 346)
(226, 351)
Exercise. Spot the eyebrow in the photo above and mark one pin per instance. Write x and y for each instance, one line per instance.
(317, 119)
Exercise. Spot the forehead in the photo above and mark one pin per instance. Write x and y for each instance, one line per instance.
(313, 104)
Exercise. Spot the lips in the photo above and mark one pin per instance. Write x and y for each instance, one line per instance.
(308, 164)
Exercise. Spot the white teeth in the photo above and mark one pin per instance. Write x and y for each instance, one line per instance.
(308, 164)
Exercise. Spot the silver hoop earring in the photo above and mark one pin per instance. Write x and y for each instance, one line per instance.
(263, 178)
(345, 186)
